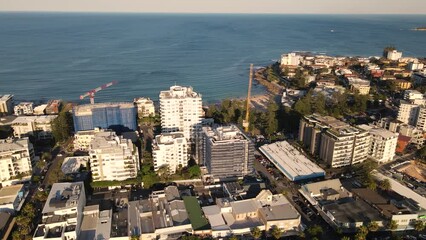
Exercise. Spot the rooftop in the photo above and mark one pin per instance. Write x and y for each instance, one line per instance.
(63, 196)
(5, 97)
(87, 108)
(291, 161)
(279, 212)
(381, 132)
(198, 221)
(244, 206)
(179, 92)
(353, 211)
(39, 118)
(8, 194)
(9, 145)
(224, 133)
(315, 188)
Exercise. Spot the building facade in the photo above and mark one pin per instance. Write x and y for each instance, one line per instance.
(181, 111)
(290, 59)
(335, 142)
(6, 104)
(113, 158)
(408, 112)
(117, 116)
(170, 149)
(393, 55)
(23, 108)
(227, 152)
(16, 156)
(37, 126)
(145, 107)
(382, 145)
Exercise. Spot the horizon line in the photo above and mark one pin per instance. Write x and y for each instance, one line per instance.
(206, 13)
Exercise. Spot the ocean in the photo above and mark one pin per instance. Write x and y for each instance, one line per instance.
(63, 55)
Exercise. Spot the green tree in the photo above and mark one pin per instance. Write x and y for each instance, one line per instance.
(392, 225)
(192, 237)
(62, 126)
(276, 232)
(256, 232)
(373, 226)
(164, 172)
(315, 230)
(385, 184)
(419, 225)
(194, 171)
(233, 237)
(271, 119)
(345, 238)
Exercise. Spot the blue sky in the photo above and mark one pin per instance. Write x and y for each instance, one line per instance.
(222, 6)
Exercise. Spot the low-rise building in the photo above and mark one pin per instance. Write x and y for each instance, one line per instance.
(54, 106)
(6, 104)
(23, 108)
(382, 145)
(16, 156)
(62, 212)
(402, 84)
(170, 149)
(145, 107)
(11, 198)
(113, 158)
(40, 110)
(229, 217)
(291, 162)
(359, 85)
(37, 126)
(419, 78)
(415, 65)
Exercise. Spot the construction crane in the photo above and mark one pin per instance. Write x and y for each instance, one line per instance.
(91, 93)
(247, 120)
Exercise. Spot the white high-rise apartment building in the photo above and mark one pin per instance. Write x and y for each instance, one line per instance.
(382, 145)
(290, 59)
(181, 111)
(170, 149)
(407, 112)
(421, 119)
(83, 139)
(113, 158)
(15, 158)
(6, 104)
(38, 126)
(393, 55)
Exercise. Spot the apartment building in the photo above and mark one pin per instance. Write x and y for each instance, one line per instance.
(145, 107)
(82, 139)
(290, 59)
(6, 104)
(229, 217)
(181, 111)
(407, 112)
(170, 149)
(337, 143)
(227, 152)
(412, 95)
(16, 156)
(382, 145)
(359, 85)
(393, 55)
(37, 126)
(117, 116)
(421, 118)
(54, 106)
(113, 158)
(24, 108)
(62, 212)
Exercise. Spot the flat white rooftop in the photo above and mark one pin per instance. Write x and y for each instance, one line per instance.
(291, 162)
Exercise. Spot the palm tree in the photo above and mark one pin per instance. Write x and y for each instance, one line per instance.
(373, 226)
(256, 233)
(392, 225)
(385, 184)
(419, 225)
(233, 237)
(276, 232)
